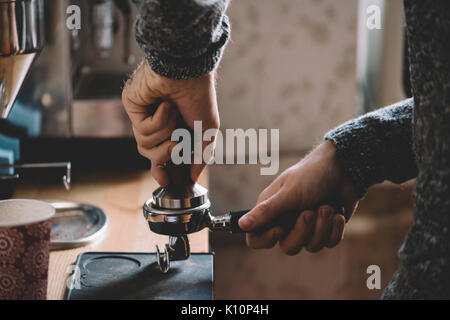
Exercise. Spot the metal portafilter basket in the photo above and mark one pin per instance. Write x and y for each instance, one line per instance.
(182, 208)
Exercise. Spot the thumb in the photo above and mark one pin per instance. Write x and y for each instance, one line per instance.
(264, 212)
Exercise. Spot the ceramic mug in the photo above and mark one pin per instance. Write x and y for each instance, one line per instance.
(25, 227)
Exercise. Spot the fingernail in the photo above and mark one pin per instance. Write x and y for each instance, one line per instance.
(246, 222)
(326, 213)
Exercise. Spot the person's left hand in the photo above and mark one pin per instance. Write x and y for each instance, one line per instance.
(294, 210)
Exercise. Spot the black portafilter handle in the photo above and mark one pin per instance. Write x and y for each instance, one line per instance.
(234, 221)
(236, 215)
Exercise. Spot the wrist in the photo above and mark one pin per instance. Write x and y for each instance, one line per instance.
(345, 185)
(154, 77)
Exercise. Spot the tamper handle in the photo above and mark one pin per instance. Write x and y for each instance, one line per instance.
(179, 175)
(234, 221)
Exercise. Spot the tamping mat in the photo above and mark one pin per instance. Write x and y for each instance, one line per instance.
(125, 276)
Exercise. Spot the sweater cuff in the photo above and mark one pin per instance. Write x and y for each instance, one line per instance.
(352, 154)
(377, 146)
(183, 68)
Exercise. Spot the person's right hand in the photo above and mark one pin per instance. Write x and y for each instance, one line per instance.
(193, 99)
(294, 210)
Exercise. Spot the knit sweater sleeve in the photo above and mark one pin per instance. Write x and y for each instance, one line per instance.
(182, 39)
(377, 146)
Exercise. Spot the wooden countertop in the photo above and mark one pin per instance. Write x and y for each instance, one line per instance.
(121, 196)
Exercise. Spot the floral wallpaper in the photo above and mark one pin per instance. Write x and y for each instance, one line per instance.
(290, 65)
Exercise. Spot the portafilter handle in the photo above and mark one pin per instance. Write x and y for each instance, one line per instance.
(227, 222)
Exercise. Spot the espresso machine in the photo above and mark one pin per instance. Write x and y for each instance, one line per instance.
(21, 41)
(70, 102)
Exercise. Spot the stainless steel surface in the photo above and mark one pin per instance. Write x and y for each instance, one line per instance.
(101, 66)
(76, 224)
(380, 55)
(67, 178)
(177, 249)
(74, 88)
(163, 259)
(21, 38)
(175, 221)
(150, 208)
(9, 177)
(219, 223)
(177, 214)
(102, 23)
(180, 197)
(188, 220)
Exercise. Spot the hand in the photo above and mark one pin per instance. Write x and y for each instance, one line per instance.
(193, 99)
(283, 211)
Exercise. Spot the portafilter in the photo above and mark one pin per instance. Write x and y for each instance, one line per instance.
(182, 208)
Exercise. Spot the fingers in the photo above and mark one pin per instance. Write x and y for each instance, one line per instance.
(338, 231)
(160, 174)
(300, 234)
(273, 188)
(155, 129)
(313, 230)
(264, 212)
(136, 96)
(264, 240)
(323, 229)
(165, 116)
(151, 131)
(270, 204)
(159, 154)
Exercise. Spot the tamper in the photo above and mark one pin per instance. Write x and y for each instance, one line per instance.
(182, 208)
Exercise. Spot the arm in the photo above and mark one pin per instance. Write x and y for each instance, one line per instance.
(183, 41)
(182, 38)
(357, 154)
(377, 146)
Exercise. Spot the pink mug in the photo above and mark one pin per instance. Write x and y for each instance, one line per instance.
(25, 227)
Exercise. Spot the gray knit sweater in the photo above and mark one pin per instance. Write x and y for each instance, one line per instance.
(182, 38)
(185, 38)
